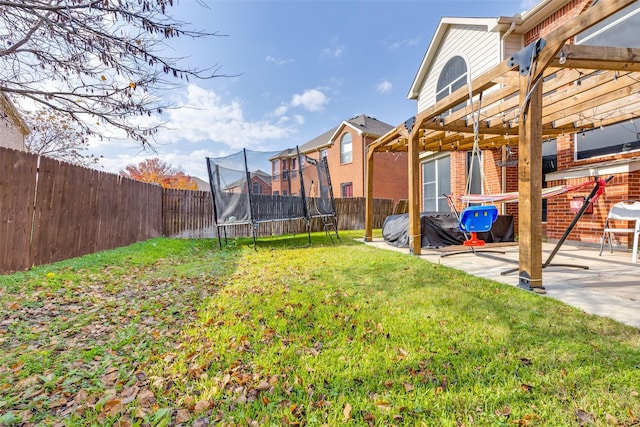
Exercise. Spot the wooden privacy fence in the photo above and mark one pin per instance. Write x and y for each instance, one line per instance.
(189, 214)
(50, 210)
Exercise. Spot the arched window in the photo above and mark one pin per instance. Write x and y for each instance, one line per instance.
(346, 148)
(452, 77)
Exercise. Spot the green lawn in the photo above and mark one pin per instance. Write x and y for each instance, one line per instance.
(170, 332)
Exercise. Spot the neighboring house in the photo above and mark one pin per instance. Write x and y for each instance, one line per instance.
(344, 147)
(465, 48)
(13, 130)
(201, 185)
(260, 183)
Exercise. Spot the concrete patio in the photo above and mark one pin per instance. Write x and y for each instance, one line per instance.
(610, 286)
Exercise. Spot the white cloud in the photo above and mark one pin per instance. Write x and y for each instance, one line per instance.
(384, 87)
(279, 61)
(335, 50)
(204, 125)
(281, 110)
(204, 116)
(310, 100)
(400, 44)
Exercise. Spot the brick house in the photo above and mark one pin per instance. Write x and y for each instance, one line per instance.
(260, 183)
(465, 48)
(344, 147)
(13, 130)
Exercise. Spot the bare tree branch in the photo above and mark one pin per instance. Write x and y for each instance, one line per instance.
(95, 59)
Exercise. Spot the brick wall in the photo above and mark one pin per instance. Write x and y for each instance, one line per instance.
(556, 20)
(390, 176)
(351, 172)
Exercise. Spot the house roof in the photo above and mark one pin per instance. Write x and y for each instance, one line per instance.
(255, 174)
(367, 125)
(10, 109)
(201, 184)
(319, 142)
(362, 124)
(441, 31)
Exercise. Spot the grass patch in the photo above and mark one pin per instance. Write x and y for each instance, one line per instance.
(175, 331)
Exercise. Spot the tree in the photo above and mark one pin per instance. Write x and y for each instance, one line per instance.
(98, 61)
(53, 134)
(158, 172)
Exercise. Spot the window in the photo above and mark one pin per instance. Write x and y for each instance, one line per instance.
(293, 164)
(436, 181)
(346, 148)
(276, 170)
(346, 189)
(619, 30)
(452, 77)
(615, 139)
(256, 189)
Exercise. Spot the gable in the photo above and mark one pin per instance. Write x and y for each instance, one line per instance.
(476, 44)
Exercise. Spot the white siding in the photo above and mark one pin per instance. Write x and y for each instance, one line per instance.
(512, 45)
(479, 48)
(10, 135)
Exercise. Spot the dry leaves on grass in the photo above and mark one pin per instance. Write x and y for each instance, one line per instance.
(65, 347)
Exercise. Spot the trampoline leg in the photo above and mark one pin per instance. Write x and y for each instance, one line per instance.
(255, 238)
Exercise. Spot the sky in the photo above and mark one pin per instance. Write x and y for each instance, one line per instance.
(291, 71)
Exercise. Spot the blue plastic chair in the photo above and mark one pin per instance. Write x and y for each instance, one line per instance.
(477, 219)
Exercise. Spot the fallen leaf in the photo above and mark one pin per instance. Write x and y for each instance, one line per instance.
(201, 422)
(347, 412)
(383, 404)
(263, 386)
(112, 407)
(146, 398)
(407, 387)
(182, 416)
(504, 412)
(201, 406)
(611, 420)
(584, 417)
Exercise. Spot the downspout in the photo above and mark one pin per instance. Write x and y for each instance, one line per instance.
(503, 39)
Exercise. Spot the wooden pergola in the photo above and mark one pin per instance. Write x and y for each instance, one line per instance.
(548, 89)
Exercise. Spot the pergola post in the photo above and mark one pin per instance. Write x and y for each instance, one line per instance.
(368, 194)
(415, 236)
(530, 185)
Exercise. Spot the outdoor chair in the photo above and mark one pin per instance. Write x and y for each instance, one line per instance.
(622, 211)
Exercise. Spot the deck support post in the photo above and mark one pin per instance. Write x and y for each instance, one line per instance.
(530, 184)
(368, 212)
(415, 236)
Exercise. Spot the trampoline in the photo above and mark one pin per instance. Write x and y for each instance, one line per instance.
(241, 188)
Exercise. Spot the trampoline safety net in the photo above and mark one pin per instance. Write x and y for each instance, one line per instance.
(244, 189)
